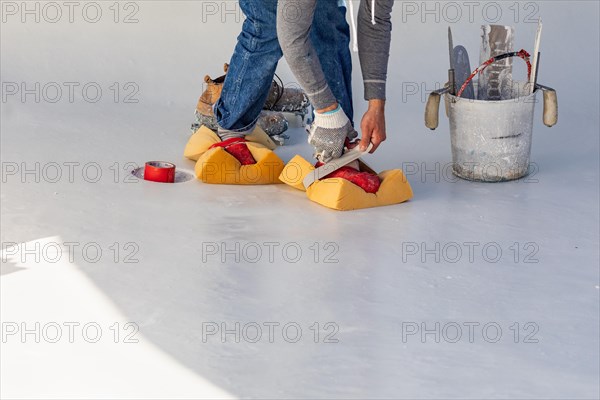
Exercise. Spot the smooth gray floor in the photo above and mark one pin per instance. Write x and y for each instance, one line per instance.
(373, 280)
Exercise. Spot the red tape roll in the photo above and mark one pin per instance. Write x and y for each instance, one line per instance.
(159, 171)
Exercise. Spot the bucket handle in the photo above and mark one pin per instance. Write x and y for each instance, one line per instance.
(432, 109)
(550, 105)
(550, 118)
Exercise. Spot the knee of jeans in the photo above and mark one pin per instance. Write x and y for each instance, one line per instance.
(258, 42)
(268, 43)
(221, 115)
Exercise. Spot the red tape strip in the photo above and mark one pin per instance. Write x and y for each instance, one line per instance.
(159, 171)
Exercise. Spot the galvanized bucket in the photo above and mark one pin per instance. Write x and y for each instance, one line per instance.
(491, 128)
(491, 140)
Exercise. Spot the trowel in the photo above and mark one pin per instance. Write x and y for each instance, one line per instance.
(462, 70)
(334, 165)
(496, 40)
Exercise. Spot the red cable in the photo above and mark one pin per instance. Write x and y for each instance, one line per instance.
(521, 54)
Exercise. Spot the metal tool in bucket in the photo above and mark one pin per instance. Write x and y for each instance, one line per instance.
(491, 119)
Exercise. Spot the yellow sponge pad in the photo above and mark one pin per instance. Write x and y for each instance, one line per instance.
(259, 136)
(219, 167)
(294, 172)
(204, 137)
(341, 194)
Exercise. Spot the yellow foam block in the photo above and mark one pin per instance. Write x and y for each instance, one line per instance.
(341, 194)
(200, 142)
(259, 136)
(294, 172)
(219, 167)
(204, 137)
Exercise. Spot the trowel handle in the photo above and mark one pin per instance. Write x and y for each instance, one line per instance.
(550, 105)
(432, 109)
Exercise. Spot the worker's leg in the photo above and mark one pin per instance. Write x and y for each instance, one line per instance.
(330, 35)
(251, 70)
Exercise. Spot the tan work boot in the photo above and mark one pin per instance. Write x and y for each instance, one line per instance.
(271, 119)
(211, 94)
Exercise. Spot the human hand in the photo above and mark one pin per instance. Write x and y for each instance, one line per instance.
(373, 125)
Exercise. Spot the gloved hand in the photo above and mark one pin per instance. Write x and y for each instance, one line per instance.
(328, 134)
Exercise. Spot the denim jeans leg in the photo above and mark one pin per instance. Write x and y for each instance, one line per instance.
(331, 38)
(251, 68)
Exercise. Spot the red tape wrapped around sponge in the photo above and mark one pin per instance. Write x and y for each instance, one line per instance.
(341, 194)
(237, 163)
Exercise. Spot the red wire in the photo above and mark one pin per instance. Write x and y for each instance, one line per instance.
(521, 54)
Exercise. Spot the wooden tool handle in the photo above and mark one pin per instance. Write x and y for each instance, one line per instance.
(550, 107)
(432, 110)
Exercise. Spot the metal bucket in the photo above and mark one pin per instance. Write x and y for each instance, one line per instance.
(491, 140)
(491, 128)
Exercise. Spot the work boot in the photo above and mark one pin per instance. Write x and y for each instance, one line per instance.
(287, 99)
(204, 109)
(214, 87)
(274, 124)
(271, 119)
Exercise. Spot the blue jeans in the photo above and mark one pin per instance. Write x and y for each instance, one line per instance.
(257, 53)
